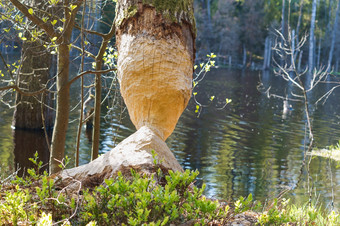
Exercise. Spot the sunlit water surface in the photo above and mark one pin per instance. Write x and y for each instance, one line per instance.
(250, 146)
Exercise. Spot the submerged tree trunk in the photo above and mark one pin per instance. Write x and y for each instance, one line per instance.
(335, 27)
(311, 40)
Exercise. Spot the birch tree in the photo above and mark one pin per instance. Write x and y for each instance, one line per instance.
(311, 40)
(335, 28)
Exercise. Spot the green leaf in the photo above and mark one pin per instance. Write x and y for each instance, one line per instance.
(54, 22)
(228, 100)
(212, 98)
(72, 7)
(30, 11)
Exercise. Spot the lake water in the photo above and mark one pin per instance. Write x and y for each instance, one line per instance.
(247, 147)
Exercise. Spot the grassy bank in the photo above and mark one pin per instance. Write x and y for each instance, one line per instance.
(162, 198)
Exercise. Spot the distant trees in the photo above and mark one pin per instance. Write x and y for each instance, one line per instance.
(240, 29)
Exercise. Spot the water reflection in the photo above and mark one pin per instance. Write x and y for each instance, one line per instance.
(245, 148)
(248, 147)
(26, 144)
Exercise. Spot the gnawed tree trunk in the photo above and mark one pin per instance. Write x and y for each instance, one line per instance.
(156, 46)
(155, 43)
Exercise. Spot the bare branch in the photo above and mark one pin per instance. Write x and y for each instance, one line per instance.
(24, 93)
(90, 72)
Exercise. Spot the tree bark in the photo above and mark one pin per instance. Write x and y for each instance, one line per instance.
(63, 89)
(34, 75)
(63, 107)
(311, 40)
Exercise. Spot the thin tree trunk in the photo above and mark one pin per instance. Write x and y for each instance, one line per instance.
(293, 48)
(283, 18)
(298, 27)
(265, 56)
(63, 107)
(209, 26)
(335, 27)
(283, 30)
(300, 59)
(97, 103)
(311, 40)
(319, 53)
(63, 90)
(208, 13)
(244, 56)
(269, 58)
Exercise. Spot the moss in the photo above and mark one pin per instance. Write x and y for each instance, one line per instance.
(175, 11)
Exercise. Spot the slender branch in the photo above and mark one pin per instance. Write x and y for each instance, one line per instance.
(23, 92)
(84, 52)
(90, 72)
(90, 31)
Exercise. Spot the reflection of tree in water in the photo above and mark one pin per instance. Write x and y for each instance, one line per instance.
(26, 144)
(246, 148)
